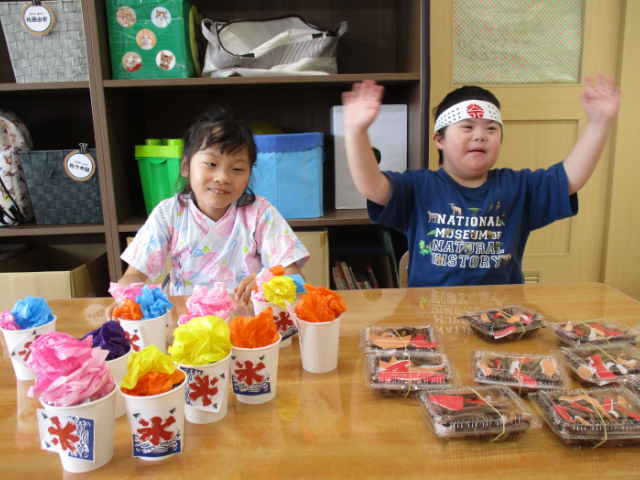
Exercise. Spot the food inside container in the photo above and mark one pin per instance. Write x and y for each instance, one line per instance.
(398, 373)
(592, 332)
(595, 417)
(419, 338)
(512, 322)
(594, 365)
(485, 414)
(524, 373)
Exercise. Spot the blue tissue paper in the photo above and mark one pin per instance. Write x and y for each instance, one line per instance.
(32, 312)
(153, 302)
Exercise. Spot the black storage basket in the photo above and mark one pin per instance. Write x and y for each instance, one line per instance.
(57, 198)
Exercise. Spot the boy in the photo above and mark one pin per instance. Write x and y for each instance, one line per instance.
(467, 224)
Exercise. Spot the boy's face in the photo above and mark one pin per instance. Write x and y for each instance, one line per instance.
(470, 149)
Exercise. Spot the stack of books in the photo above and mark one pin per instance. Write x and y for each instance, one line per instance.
(348, 277)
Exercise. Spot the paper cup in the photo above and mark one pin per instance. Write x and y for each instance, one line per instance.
(118, 369)
(286, 327)
(18, 343)
(319, 344)
(157, 423)
(82, 434)
(254, 373)
(207, 391)
(142, 333)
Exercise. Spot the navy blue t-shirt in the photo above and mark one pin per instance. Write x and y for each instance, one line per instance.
(472, 236)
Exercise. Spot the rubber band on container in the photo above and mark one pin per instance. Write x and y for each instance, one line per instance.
(604, 424)
(504, 425)
(625, 375)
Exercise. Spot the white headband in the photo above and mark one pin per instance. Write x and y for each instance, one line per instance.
(468, 109)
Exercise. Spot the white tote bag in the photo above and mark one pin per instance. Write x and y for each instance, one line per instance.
(278, 46)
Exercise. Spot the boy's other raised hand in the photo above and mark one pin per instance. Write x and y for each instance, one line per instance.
(600, 98)
(362, 104)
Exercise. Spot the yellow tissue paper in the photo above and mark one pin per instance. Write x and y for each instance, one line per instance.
(149, 359)
(279, 289)
(201, 341)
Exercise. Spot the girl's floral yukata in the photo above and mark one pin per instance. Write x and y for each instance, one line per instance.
(203, 251)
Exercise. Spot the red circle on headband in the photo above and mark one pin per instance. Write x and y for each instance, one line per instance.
(475, 111)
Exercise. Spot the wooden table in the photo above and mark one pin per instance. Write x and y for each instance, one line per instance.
(331, 425)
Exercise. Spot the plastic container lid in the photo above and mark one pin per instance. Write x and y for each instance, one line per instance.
(602, 365)
(165, 148)
(600, 331)
(414, 338)
(511, 322)
(288, 142)
(398, 372)
(591, 416)
(491, 414)
(522, 372)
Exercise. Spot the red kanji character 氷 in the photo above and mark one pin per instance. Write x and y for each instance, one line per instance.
(66, 437)
(249, 373)
(284, 322)
(26, 353)
(201, 387)
(134, 341)
(157, 431)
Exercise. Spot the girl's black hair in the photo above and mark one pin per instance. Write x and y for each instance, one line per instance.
(462, 94)
(219, 126)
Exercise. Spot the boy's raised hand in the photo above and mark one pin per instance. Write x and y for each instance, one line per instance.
(362, 104)
(600, 98)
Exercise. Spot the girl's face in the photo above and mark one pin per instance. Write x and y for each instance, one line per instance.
(217, 179)
(470, 149)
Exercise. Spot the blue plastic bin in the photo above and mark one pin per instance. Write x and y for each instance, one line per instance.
(288, 173)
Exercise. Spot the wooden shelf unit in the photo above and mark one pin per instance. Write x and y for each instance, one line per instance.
(384, 42)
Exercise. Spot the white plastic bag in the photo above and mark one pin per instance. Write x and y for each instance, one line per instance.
(279, 46)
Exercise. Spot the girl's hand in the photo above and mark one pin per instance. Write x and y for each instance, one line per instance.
(243, 291)
(109, 311)
(600, 98)
(362, 104)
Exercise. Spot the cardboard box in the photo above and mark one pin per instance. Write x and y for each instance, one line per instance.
(388, 133)
(55, 272)
(316, 270)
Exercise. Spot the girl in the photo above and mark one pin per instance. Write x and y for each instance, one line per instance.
(215, 229)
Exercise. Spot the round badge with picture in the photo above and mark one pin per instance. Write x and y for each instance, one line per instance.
(126, 16)
(131, 62)
(37, 18)
(79, 165)
(161, 17)
(166, 60)
(146, 39)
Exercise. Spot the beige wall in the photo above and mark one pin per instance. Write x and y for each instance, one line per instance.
(622, 251)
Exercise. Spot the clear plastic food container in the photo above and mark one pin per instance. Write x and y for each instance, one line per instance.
(485, 414)
(595, 417)
(415, 338)
(594, 365)
(398, 373)
(512, 322)
(522, 372)
(599, 331)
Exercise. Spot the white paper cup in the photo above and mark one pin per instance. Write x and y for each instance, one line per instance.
(15, 337)
(101, 412)
(118, 369)
(207, 391)
(319, 345)
(254, 373)
(166, 411)
(286, 327)
(142, 333)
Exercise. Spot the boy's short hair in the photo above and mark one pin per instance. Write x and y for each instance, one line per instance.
(462, 94)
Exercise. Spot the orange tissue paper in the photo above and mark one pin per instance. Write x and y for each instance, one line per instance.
(254, 332)
(150, 372)
(319, 305)
(129, 310)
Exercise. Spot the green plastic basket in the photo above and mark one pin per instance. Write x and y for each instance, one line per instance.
(159, 165)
